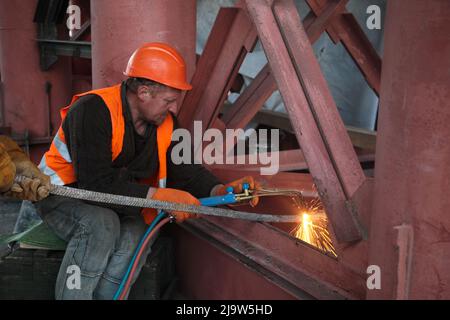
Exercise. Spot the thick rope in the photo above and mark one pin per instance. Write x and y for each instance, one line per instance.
(168, 206)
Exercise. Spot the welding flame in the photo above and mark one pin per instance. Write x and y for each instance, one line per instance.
(313, 226)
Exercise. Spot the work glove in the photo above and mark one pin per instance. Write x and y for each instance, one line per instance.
(7, 170)
(172, 195)
(36, 185)
(237, 188)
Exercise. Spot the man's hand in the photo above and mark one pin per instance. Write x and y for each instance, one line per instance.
(173, 195)
(237, 188)
(35, 186)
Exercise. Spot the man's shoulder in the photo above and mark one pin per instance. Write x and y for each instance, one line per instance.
(90, 105)
(91, 101)
(91, 98)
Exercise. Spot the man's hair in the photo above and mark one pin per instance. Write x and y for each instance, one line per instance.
(134, 83)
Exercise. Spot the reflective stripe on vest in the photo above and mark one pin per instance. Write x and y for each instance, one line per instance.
(54, 178)
(57, 162)
(62, 148)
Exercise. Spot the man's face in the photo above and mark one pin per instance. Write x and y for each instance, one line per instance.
(156, 102)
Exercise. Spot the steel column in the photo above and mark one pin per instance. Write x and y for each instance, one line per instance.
(118, 29)
(26, 100)
(409, 236)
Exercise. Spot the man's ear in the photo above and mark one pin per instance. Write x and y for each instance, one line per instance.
(143, 93)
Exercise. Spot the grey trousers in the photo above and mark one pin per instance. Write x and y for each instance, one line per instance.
(100, 245)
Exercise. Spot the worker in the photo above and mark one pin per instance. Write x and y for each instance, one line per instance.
(34, 186)
(117, 140)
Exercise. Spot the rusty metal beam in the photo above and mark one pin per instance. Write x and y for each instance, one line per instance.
(345, 28)
(172, 22)
(207, 61)
(304, 116)
(409, 235)
(218, 66)
(323, 19)
(341, 156)
(349, 273)
(361, 50)
(261, 88)
(319, 99)
(251, 100)
(317, 7)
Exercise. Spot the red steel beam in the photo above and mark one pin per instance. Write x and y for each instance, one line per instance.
(323, 19)
(251, 100)
(319, 98)
(357, 188)
(207, 61)
(360, 48)
(317, 7)
(345, 28)
(232, 36)
(119, 29)
(261, 88)
(303, 120)
(27, 105)
(409, 236)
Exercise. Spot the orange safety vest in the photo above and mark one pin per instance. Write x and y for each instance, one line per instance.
(57, 163)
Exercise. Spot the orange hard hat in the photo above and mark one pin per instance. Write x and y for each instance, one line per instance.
(159, 62)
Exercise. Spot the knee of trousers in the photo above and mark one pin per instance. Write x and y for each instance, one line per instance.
(103, 224)
(130, 237)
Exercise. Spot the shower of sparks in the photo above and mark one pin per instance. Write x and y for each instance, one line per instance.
(313, 226)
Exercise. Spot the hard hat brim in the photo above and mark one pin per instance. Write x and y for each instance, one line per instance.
(180, 86)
